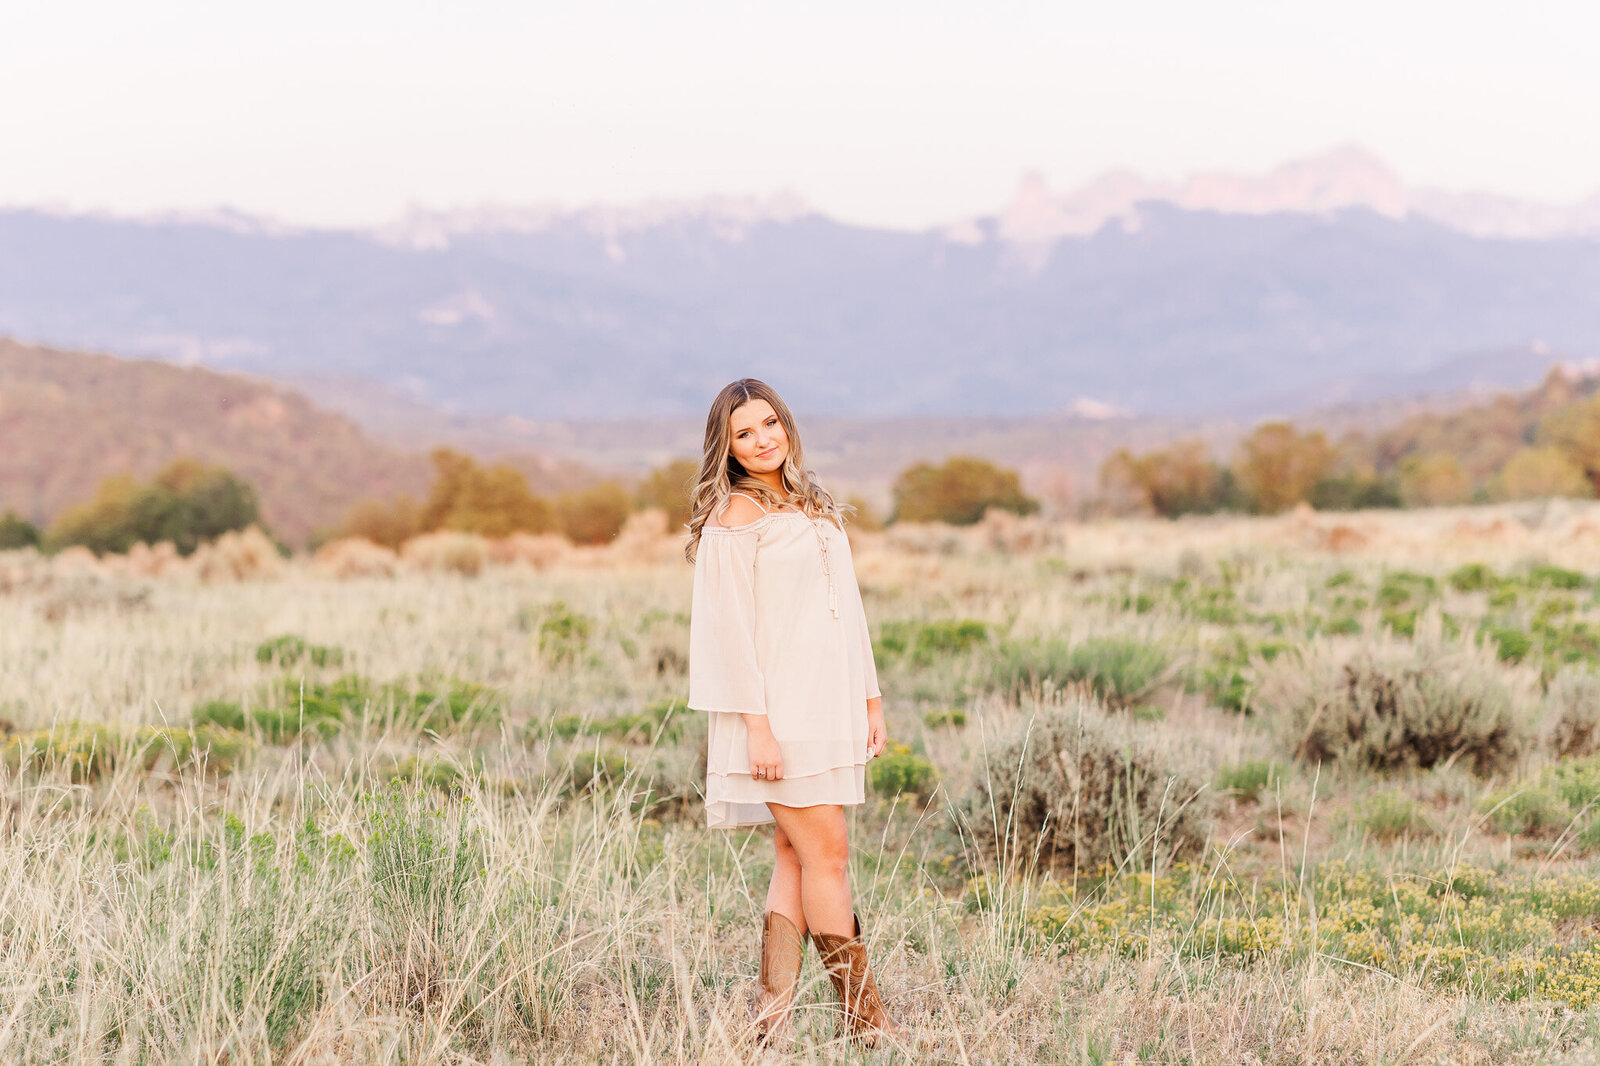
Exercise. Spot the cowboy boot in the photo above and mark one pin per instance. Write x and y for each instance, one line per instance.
(845, 957)
(782, 948)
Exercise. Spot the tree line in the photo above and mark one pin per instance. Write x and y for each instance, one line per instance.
(495, 501)
(189, 503)
(1545, 442)
(1542, 443)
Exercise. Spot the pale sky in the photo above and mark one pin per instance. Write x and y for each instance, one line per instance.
(898, 114)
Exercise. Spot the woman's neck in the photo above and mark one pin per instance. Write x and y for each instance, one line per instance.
(773, 481)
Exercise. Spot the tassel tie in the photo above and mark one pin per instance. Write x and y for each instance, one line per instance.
(827, 565)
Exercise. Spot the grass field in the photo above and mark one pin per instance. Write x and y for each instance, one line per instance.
(1332, 795)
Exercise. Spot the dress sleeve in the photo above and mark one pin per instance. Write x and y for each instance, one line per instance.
(869, 669)
(724, 672)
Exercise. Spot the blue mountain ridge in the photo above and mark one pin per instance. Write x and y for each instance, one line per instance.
(1184, 312)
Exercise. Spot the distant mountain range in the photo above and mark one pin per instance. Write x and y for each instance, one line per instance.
(1219, 294)
(1344, 178)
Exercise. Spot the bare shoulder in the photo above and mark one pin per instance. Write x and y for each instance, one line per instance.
(741, 510)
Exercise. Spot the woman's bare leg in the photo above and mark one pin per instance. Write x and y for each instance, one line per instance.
(783, 895)
(821, 844)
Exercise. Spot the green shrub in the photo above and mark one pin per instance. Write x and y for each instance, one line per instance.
(1073, 789)
(901, 772)
(1512, 645)
(320, 707)
(1576, 781)
(1563, 796)
(17, 532)
(563, 634)
(216, 748)
(1215, 604)
(1249, 779)
(1550, 609)
(1503, 596)
(441, 703)
(661, 721)
(1573, 642)
(1473, 577)
(1393, 705)
(1402, 588)
(288, 649)
(1543, 576)
(958, 491)
(1401, 623)
(293, 709)
(187, 503)
(1528, 810)
(1120, 670)
(86, 752)
(954, 717)
(594, 515)
(1021, 666)
(440, 774)
(425, 878)
(242, 927)
(668, 487)
(1392, 815)
(595, 768)
(1571, 713)
(926, 642)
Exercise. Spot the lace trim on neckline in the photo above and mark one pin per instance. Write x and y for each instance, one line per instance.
(709, 528)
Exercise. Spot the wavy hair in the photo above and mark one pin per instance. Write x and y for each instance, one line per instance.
(720, 473)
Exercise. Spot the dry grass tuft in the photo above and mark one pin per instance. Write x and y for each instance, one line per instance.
(246, 555)
(355, 557)
(446, 552)
(537, 551)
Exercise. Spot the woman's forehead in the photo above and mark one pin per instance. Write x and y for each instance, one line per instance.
(750, 414)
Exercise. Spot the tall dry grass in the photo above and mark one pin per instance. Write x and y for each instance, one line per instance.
(452, 820)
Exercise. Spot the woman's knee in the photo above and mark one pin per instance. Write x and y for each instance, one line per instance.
(826, 851)
(787, 855)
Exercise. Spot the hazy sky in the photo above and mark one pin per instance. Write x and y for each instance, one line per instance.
(893, 113)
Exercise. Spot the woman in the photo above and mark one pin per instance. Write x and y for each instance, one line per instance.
(780, 658)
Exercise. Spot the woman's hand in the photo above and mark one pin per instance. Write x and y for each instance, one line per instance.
(766, 760)
(877, 732)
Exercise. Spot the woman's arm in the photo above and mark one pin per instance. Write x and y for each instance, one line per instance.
(766, 760)
(877, 732)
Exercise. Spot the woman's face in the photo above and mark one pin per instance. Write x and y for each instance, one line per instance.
(759, 442)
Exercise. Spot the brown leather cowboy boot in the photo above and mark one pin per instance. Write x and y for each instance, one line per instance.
(782, 948)
(865, 1017)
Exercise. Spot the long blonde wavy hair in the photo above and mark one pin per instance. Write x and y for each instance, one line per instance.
(721, 474)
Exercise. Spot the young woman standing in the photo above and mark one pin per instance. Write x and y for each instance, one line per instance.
(780, 658)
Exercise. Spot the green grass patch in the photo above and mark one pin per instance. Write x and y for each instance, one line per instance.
(924, 643)
(1250, 778)
(290, 650)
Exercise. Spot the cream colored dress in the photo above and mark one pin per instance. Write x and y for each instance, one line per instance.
(777, 628)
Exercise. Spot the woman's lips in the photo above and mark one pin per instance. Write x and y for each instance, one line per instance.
(768, 453)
